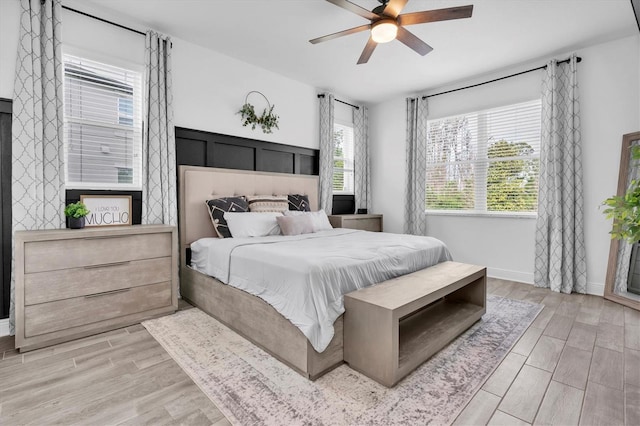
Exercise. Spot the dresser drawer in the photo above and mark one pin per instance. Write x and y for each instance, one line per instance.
(68, 313)
(41, 287)
(363, 224)
(42, 256)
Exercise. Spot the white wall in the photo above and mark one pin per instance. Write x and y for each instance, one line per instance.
(9, 24)
(387, 136)
(610, 107)
(209, 88)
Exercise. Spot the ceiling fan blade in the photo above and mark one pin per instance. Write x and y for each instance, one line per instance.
(435, 15)
(394, 7)
(340, 34)
(368, 50)
(352, 7)
(413, 42)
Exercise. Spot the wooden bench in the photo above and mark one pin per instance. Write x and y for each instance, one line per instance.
(392, 328)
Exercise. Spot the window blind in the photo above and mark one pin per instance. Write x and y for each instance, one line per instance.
(343, 159)
(485, 161)
(102, 125)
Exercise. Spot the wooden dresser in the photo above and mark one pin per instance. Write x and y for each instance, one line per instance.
(74, 283)
(364, 222)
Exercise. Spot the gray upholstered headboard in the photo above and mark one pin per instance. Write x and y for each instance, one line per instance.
(198, 184)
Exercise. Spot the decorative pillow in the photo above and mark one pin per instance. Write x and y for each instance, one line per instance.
(299, 202)
(267, 203)
(295, 225)
(252, 224)
(319, 219)
(218, 206)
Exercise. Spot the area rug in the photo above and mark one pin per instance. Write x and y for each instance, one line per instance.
(251, 387)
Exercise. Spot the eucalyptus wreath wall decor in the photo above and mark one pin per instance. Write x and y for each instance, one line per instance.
(268, 120)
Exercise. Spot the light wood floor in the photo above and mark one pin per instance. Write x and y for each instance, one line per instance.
(120, 377)
(579, 362)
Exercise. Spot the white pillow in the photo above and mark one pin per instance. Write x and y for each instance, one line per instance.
(248, 224)
(319, 219)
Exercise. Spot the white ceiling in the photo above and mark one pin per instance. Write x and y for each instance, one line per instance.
(274, 34)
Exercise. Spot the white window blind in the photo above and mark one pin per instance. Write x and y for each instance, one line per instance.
(102, 125)
(486, 161)
(343, 177)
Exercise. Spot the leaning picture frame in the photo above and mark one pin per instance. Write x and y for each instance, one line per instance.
(107, 210)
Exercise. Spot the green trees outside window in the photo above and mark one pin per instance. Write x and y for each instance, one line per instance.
(486, 161)
(512, 183)
(343, 161)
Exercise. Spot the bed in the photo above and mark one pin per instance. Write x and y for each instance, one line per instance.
(250, 315)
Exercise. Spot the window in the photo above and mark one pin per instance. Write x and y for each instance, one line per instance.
(485, 161)
(102, 125)
(343, 159)
(125, 111)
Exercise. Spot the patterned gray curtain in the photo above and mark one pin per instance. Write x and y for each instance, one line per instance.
(560, 253)
(362, 179)
(159, 195)
(415, 217)
(326, 152)
(37, 184)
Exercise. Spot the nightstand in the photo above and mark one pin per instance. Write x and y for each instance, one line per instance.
(364, 222)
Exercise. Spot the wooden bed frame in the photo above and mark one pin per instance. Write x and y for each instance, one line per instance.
(245, 313)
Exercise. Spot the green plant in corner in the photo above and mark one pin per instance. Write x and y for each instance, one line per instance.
(625, 209)
(76, 210)
(268, 120)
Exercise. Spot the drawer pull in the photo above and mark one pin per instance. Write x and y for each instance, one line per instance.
(106, 265)
(105, 293)
(106, 237)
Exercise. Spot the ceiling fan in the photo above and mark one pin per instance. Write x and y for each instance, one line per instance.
(388, 24)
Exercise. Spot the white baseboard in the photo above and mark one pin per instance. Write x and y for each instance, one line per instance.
(596, 289)
(4, 327)
(505, 274)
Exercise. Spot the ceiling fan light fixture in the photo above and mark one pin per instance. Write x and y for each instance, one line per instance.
(387, 23)
(384, 31)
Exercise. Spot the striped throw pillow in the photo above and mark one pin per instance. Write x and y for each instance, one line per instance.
(267, 203)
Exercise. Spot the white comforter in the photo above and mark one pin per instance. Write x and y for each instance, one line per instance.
(304, 277)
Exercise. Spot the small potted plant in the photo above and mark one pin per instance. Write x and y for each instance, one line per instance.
(76, 213)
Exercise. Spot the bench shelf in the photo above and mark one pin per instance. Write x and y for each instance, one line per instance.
(392, 328)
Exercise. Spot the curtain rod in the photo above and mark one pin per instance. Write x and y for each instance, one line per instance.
(321, 95)
(579, 59)
(103, 20)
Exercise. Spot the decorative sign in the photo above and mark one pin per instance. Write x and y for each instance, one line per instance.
(107, 210)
